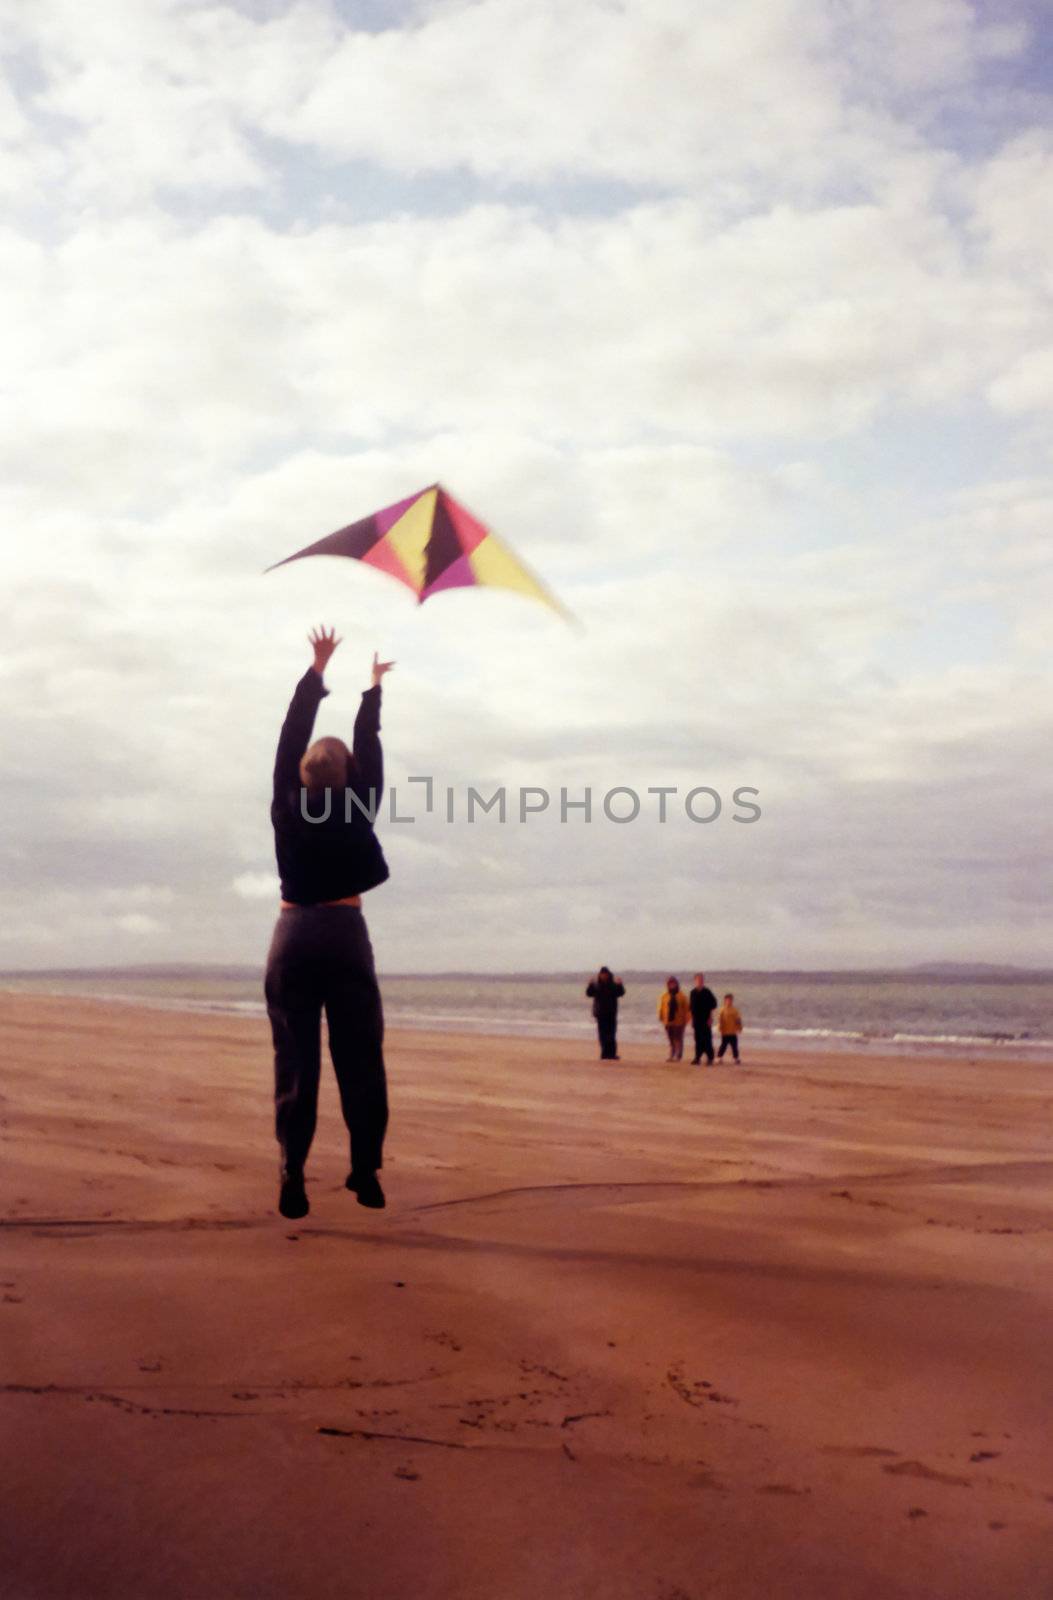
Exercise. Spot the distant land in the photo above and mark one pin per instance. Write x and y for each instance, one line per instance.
(975, 969)
(952, 971)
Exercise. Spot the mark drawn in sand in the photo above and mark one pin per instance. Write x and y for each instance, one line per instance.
(527, 1367)
(86, 1227)
(916, 1211)
(312, 1386)
(918, 1469)
(858, 1450)
(582, 1416)
(698, 1392)
(118, 1401)
(482, 1413)
(399, 1438)
(934, 1172)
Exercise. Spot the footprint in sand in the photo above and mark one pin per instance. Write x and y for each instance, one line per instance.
(447, 1340)
(708, 1480)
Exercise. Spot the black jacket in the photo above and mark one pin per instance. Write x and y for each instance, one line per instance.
(604, 997)
(340, 856)
(703, 1004)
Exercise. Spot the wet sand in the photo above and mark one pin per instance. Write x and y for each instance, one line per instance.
(630, 1331)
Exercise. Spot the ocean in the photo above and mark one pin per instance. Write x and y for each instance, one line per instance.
(944, 1012)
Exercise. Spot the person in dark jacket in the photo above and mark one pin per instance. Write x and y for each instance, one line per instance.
(703, 1004)
(605, 991)
(324, 802)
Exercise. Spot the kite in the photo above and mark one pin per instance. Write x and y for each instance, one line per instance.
(430, 543)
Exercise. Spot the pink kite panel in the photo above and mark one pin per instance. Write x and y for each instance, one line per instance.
(457, 575)
(384, 557)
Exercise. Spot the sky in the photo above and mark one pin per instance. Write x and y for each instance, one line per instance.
(734, 322)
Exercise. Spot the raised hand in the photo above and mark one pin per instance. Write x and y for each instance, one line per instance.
(379, 668)
(323, 645)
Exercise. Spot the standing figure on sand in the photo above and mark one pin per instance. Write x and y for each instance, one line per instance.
(674, 1013)
(703, 1003)
(324, 801)
(605, 991)
(730, 1025)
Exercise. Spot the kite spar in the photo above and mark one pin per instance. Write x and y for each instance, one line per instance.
(430, 543)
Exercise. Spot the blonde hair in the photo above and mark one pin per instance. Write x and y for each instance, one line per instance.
(326, 764)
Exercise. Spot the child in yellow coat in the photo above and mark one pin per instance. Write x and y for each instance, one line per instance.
(730, 1025)
(674, 1013)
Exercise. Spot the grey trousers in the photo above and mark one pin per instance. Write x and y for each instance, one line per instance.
(321, 960)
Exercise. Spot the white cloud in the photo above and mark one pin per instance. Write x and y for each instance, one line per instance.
(137, 922)
(1008, 195)
(155, 360)
(140, 894)
(750, 404)
(788, 95)
(256, 886)
(1027, 385)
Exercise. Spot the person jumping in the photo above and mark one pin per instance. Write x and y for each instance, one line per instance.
(324, 802)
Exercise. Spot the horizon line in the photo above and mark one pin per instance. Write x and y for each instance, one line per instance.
(921, 967)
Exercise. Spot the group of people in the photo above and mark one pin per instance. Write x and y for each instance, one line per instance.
(675, 1010)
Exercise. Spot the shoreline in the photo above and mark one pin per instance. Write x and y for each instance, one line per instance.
(772, 1040)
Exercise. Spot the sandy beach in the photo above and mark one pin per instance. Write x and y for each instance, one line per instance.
(624, 1330)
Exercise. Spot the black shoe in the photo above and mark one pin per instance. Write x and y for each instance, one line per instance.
(367, 1189)
(292, 1197)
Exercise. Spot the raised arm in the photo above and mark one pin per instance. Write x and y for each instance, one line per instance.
(369, 758)
(299, 719)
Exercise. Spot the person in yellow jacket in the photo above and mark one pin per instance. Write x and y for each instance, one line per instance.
(730, 1025)
(674, 1013)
